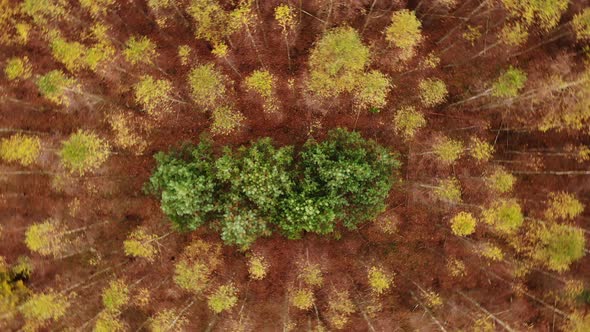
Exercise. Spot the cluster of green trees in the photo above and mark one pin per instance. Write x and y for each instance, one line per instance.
(245, 192)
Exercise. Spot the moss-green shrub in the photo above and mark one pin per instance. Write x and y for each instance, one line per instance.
(248, 192)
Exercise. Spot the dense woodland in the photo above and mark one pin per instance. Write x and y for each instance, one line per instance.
(294, 165)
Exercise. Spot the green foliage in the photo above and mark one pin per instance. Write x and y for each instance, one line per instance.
(20, 148)
(345, 178)
(207, 85)
(224, 298)
(509, 84)
(153, 95)
(42, 308)
(558, 246)
(372, 90)
(18, 69)
(501, 181)
(505, 215)
(337, 62)
(405, 32)
(83, 152)
(581, 24)
(448, 150)
(257, 177)
(563, 205)
(53, 86)
(141, 244)
(463, 224)
(407, 122)
(432, 92)
(544, 13)
(140, 50)
(115, 296)
(185, 183)
(449, 190)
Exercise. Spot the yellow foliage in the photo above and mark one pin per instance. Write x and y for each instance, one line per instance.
(154, 95)
(224, 298)
(257, 267)
(448, 150)
(199, 260)
(456, 268)
(83, 151)
(42, 308)
(140, 50)
(563, 205)
(480, 150)
(125, 136)
(115, 296)
(285, 16)
(514, 34)
(407, 121)
(108, 322)
(491, 252)
(340, 307)
(449, 190)
(379, 280)
(472, 34)
(184, 52)
(48, 238)
(168, 320)
(141, 244)
(311, 274)
(432, 299)
(18, 69)
(20, 148)
(207, 86)
(463, 224)
(405, 32)
(505, 215)
(71, 54)
(302, 298)
(500, 181)
(226, 120)
(432, 91)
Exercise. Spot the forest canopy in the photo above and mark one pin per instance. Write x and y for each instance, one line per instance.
(250, 191)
